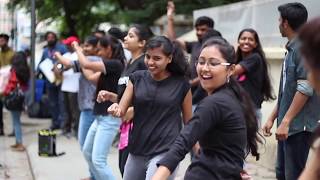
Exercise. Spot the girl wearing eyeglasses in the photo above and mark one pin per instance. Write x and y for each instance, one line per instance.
(223, 123)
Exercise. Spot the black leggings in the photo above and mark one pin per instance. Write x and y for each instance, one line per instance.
(123, 156)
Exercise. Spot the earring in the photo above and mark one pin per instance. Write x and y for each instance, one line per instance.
(228, 79)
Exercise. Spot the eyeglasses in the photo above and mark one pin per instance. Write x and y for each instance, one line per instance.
(211, 63)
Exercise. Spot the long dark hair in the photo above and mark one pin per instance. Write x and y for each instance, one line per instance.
(92, 40)
(20, 65)
(116, 47)
(267, 90)
(143, 32)
(117, 53)
(179, 65)
(253, 136)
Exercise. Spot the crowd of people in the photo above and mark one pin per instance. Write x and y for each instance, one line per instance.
(164, 106)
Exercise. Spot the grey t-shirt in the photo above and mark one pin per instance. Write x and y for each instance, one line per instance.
(86, 88)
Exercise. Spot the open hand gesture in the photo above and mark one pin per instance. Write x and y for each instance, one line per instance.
(170, 9)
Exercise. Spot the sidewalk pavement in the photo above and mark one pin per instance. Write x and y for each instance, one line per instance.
(72, 166)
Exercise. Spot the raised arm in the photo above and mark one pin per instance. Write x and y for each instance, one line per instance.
(96, 66)
(91, 75)
(170, 28)
(67, 63)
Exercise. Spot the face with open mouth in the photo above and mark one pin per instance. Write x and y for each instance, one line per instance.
(247, 42)
(213, 70)
(156, 62)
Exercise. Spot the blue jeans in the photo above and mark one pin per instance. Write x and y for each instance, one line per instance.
(98, 143)
(292, 155)
(17, 125)
(85, 121)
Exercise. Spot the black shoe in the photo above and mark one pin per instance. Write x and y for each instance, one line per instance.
(1, 132)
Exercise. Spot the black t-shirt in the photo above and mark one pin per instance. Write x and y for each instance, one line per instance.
(252, 79)
(219, 126)
(131, 67)
(194, 49)
(109, 82)
(157, 112)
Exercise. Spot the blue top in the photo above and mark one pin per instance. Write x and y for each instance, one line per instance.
(293, 79)
(49, 53)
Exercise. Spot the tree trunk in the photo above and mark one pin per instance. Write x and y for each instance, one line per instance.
(69, 18)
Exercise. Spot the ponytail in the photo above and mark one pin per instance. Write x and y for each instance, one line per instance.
(179, 65)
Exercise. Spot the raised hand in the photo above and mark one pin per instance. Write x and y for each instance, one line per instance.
(170, 9)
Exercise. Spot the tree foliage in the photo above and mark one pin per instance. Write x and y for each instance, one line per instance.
(79, 17)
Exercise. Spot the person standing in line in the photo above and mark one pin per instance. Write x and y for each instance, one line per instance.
(310, 45)
(70, 92)
(134, 42)
(105, 74)
(202, 25)
(159, 95)
(54, 89)
(19, 76)
(297, 110)
(6, 55)
(87, 91)
(223, 123)
(252, 69)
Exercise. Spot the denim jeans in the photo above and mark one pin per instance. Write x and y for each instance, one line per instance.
(98, 143)
(292, 155)
(143, 167)
(85, 121)
(17, 125)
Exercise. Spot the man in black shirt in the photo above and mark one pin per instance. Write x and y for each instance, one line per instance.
(202, 25)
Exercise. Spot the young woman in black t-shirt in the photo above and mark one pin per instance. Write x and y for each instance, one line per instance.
(135, 42)
(223, 122)
(159, 96)
(105, 74)
(252, 69)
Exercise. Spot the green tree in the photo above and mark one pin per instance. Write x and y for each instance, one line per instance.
(79, 17)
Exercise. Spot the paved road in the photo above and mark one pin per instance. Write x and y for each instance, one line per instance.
(71, 166)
